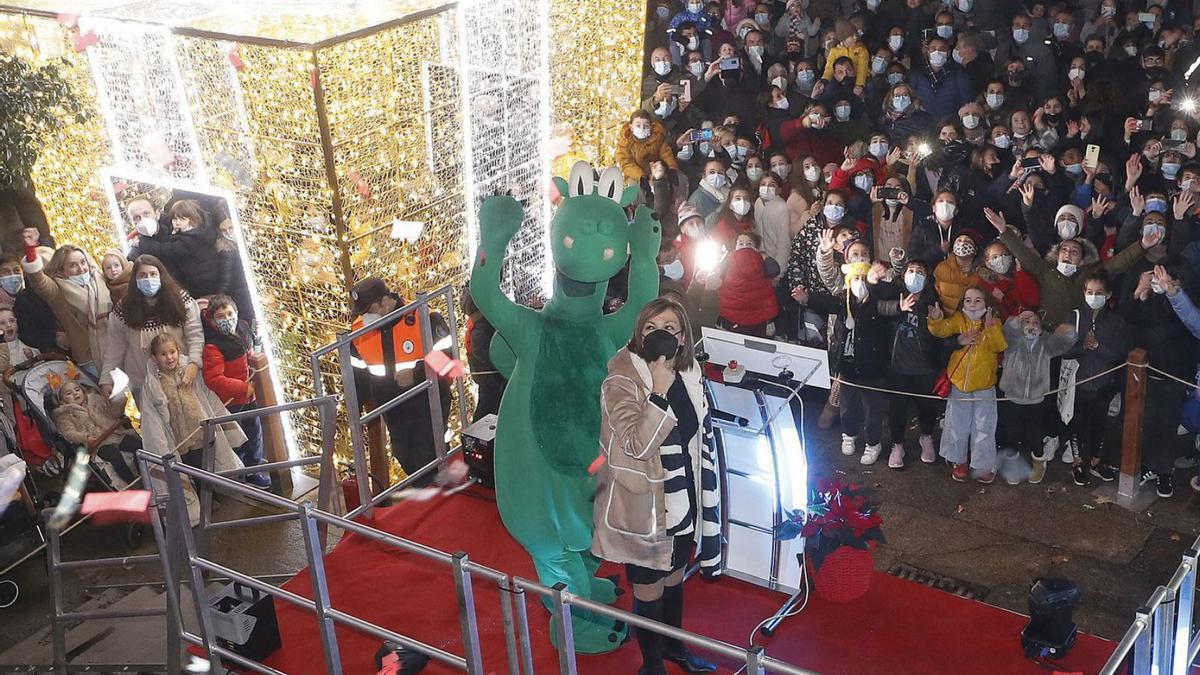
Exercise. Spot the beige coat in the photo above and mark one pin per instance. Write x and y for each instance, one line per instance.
(128, 348)
(630, 506)
(82, 311)
(79, 422)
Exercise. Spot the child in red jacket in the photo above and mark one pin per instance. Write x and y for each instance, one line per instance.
(227, 373)
(747, 297)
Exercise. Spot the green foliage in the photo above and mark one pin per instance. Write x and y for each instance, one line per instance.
(34, 104)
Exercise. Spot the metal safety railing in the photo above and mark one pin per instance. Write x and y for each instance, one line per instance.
(180, 544)
(1162, 639)
(353, 399)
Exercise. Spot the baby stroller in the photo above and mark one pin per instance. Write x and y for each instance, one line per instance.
(36, 440)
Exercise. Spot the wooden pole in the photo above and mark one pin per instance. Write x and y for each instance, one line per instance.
(1131, 434)
(274, 445)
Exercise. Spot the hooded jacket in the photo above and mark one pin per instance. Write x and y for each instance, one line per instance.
(630, 512)
(746, 296)
(117, 287)
(634, 156)
(971, 368)
(1061, 293)
(1026, 377)
(82, 311)
(1112, 347)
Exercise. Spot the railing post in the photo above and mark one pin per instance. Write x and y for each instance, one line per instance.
(1164, 631)
(320, 584)
(177, 505)
(510, 637)
(167, 542)
(466, 614)
(57, 630)
(754, 660)
(561, 623)
(1131, 437)
(436, 420)
(327, 412)
(522, 619)
(1185, 596)
(350, 391)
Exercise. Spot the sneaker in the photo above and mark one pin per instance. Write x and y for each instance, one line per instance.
(259, 480)
(896, 458)
(928, 452)
(1037, 472)
(828, 414)
(1148, 476)
(961, 472)
(847, 445)
(1114, 406)
(1081, 475)
(1185, 462)
(1166, 485)
(1049, 448)
(1195, 483)
(986, 478)
(870, 453)
(1070, 451)
(1104, 472)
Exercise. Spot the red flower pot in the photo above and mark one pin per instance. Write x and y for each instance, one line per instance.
(845, 575)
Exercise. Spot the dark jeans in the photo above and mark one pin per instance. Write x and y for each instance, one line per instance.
(112, 454)
(491, 390)
(250, 452)
(409, 425)
(1089, 423)
(1025, 425)
(1164, 408)
(788, 319)
(862, 407)
(899, 405)
(753, 330)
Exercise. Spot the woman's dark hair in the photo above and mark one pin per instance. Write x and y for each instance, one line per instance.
(190, 209)
(167, 307)
(687, 353)
(218, 301)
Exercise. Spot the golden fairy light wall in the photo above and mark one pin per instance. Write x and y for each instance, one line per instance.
(329, 121)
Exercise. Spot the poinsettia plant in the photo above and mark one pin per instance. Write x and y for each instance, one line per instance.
(839, 514)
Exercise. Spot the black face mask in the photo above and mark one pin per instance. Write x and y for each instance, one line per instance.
(659, 343)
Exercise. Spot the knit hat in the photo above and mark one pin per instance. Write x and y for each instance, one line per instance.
(687, 211)
(844, 29)
(1070, 210)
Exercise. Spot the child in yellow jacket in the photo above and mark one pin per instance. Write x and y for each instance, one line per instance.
(850, 46)
(971, 410)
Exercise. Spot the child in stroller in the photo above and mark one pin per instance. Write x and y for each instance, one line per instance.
(85, 418)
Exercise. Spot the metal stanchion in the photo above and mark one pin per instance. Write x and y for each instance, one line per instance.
(466, 614)
(522, 619)
(755, 656)
(511, 651)
(561, 622)
(316, 572)
(177, 504)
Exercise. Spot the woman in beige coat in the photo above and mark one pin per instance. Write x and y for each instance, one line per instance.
(74, 288)
(657, 494)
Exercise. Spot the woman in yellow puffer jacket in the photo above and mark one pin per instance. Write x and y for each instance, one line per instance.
(971, 409)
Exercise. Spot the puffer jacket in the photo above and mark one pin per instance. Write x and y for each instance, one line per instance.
(746, 296)
(1060, 293)
(79, 422)
(630, 512)
(226, 361)
(1026, 376)
(971, 368)
(952, 282)
(634, 156)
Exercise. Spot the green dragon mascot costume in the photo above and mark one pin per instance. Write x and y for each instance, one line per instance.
(548, 431)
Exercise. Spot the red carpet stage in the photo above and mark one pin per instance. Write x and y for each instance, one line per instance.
(898, 627)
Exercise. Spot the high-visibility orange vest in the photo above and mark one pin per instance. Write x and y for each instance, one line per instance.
(406, 342)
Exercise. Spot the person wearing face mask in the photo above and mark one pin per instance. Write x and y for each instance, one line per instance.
(233, 272)
(970, 54)
(903, 116)
(1153, 211)
(693, 15)
(663, 73)
(747, 298)
(970, 421)
(1020, 43)
(933, 235)
(641, 142)
(912, 368)
(1101, 346)
(1025, 381)
(74, 288)
(849, 46)
(957, 272)
(154, 305)
(892, 218)
(184, 243)
(810, 135)
(226, 361)
(713, 189)
(942, 86)
(734, 217)
(858, 346)
(1012, 290)
(38, 326)
(1060, 275)
(1043, 229)
(1170, 347)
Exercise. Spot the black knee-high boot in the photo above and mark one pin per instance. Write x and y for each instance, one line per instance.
(649, 642)
(674, 650)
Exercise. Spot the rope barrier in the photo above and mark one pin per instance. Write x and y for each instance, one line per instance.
(895, 392)
(1169, 376)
